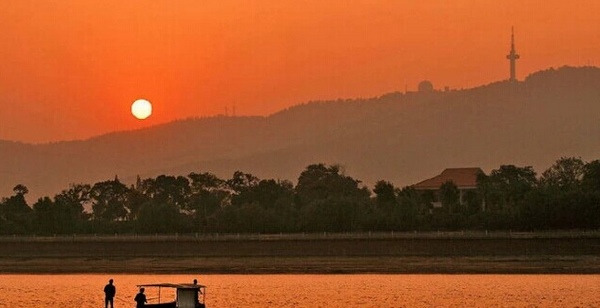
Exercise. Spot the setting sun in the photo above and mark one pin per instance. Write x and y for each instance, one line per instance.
(141, 109)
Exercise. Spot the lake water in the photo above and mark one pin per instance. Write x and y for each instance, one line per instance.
(83, 291)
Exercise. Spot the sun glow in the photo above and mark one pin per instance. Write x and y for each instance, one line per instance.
(141, 109)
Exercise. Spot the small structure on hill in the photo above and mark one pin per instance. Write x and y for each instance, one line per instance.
(465, 180)
(425, 86)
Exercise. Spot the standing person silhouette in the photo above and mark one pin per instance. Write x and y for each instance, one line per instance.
(196, 298)
(140, 299)
(109, 294)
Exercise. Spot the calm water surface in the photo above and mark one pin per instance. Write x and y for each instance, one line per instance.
(53, 291)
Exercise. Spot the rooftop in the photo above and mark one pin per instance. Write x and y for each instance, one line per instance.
(464, 178)
(173, 285)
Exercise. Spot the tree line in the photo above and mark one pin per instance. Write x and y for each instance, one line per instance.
(325, 199)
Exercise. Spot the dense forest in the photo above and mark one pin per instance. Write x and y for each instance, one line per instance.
(325, 199)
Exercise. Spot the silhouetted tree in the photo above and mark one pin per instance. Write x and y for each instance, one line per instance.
(73, 201)
(565, 199)
(330, 200)
(169, 190)
(385, 215)
(156, 217)
(505, 186)
(135, 200)
(208, 194)
(566, 173)
(591, 176)
(241, 181)
(47, 217)
(450, 196)
(108, 200)
(413, 209)
(385, 195)
(325, 199)
(15, 213)
(269, 204)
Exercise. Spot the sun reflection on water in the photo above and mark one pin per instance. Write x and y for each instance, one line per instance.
(54, 291)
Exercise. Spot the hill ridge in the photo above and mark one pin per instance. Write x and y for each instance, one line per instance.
(399, 137)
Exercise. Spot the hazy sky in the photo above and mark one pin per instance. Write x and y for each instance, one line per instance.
(71, 69)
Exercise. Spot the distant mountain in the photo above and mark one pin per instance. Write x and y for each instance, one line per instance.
(399, 137)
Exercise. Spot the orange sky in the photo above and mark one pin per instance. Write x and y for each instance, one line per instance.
(71, 69)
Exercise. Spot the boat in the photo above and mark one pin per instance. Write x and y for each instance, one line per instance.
(178, 295)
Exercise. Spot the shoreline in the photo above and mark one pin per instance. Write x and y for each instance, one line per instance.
(212, 237)
(305, 265)
(407, 253)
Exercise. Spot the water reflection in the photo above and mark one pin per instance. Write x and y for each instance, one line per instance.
(53, 291)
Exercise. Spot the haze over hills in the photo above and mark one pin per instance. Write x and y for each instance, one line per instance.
(398, 137)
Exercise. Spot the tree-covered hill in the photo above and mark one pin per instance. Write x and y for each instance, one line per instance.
(399, 137)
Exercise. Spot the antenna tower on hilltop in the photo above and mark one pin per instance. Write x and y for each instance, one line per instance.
(512, 56)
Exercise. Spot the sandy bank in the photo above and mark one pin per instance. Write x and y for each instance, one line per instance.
(455, 254)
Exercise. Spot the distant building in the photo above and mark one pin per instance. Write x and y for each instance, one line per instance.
(425, 86)
(465, 179)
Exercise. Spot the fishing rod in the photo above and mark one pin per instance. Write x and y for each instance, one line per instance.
(122, 300)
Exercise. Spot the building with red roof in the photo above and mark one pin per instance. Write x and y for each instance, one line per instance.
(465, 179)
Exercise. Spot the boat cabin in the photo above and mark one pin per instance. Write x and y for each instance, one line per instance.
(186, 295)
